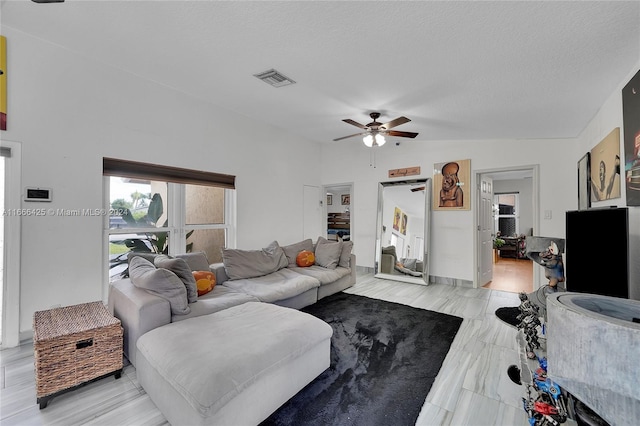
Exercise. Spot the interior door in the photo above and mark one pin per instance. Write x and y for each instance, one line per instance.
(485, 231)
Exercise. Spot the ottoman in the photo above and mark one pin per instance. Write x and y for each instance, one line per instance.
(232, 367)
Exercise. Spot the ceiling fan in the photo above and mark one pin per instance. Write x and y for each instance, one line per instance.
(375, 132)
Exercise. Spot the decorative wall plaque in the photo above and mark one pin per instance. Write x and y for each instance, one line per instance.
(409, 171)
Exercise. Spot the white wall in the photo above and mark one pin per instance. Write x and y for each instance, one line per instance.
(69, 112)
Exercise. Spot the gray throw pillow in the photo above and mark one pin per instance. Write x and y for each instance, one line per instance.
(197, 261)
(292, 250)
(409, 263)
(328, 253)
(239, 264)
(148, 256)
(160, 282)
(183, 271)
(345, 255)
(390, 250)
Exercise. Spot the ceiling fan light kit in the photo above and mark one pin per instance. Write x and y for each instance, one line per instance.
(374, 139)
(374, 132)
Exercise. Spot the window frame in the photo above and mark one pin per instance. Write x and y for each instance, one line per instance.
(176, 208)
(515, 216)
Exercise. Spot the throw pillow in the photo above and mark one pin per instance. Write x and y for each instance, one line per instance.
(292, 250)
(305, 258)
(390, 250)
(145, 255)
(239, 264)
(161, 282)
(182, 270)
(345, 255)
(205, 281)
(328, 253)
(197, 261)
(409, 263)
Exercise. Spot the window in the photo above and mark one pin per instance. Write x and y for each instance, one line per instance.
(157, 209)
(507, 217)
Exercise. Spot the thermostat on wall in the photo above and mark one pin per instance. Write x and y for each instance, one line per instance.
(37, 194)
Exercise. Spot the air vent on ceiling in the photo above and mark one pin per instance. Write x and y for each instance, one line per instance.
(274, 78)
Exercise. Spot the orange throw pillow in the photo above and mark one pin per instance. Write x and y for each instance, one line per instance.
(205, 281)
(305, 258)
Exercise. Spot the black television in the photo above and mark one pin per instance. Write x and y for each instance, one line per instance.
(597, 251)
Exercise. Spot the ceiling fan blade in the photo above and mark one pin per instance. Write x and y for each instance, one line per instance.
(393, 123)
(350, 136)
(420, 188)
(355, 123)
(401, 134)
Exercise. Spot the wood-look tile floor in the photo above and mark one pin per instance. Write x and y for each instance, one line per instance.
(512, 275)
(471, 388)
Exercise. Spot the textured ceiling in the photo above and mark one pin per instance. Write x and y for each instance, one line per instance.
(458, 70)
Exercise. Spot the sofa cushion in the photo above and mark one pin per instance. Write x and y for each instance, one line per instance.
(274, 287)
(196, 370)
(408, 263)
(218, 299)
(182, 270)
(161, 282)
(145, 255)
(240, 264)
(292, 250)
(324, 275)
(328, 253)
(345, 255)
(197, 261)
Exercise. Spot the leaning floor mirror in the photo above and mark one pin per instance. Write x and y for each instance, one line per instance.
(403, 231)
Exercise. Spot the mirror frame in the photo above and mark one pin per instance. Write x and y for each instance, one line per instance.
(427, 232)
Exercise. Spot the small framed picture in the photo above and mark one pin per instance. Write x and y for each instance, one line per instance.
(346, 199)
(329, 199)
(584, 182)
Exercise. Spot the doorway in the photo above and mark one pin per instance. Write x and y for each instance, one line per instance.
(10, 154)
(508, 269)
(338, 220)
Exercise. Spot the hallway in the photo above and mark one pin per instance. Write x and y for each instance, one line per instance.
(512, 275)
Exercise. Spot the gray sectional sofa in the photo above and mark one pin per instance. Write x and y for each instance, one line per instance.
(237, 353)
(269, 279)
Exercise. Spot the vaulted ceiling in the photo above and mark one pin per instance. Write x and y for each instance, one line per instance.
(458, 70)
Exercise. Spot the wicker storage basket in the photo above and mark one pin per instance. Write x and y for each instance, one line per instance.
(73, 345)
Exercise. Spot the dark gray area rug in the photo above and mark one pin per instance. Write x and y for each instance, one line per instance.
(384, 359)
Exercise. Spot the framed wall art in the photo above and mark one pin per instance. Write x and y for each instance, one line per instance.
(3, 83)
(397, 217)
(584, 182)
(631, 120)
(452, 185)
(329, 199)
(346, 199)
(605, 168)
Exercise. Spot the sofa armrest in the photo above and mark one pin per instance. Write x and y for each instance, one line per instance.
(138, 310)
(387, 264)
(219, 271)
